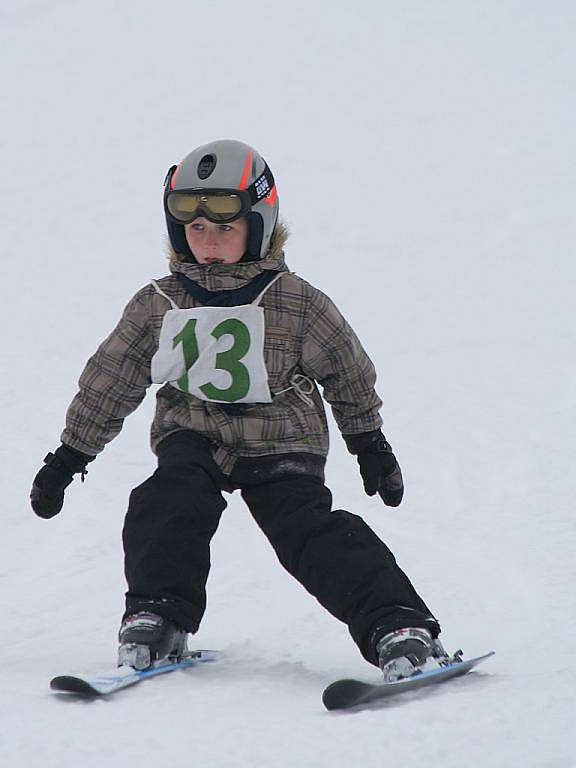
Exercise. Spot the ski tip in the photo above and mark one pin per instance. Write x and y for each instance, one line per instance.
(478, 659)
(70, 684)
(340, 694)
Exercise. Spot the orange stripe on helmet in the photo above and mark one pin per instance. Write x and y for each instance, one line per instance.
(246, 175)
(173, 179)
(272, 197)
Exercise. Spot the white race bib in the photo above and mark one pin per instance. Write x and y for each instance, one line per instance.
(214, 353)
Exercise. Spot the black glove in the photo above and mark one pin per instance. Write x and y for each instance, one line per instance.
(47, 494)
(378, 466)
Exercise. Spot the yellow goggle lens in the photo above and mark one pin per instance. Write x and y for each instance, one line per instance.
(187, 205)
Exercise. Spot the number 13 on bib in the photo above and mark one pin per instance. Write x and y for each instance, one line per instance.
(214, 353)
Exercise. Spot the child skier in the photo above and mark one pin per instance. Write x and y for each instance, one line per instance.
(239, 343)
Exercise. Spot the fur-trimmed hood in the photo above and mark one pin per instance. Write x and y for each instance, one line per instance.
(222, 277)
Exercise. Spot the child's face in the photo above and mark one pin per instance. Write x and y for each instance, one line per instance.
(217, 243)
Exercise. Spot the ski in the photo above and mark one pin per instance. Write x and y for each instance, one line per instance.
(108, 682)
(345, 694)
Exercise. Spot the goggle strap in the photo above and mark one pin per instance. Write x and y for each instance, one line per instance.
(262, 187)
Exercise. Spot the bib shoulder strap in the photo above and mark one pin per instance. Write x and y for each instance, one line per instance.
(275, 279)
(235, 297)
(165, 295)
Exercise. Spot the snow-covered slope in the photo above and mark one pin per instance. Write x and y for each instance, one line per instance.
(424, 154)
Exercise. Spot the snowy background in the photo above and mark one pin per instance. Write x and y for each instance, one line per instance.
(425, 158)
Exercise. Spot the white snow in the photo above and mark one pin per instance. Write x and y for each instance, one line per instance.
(424, 154)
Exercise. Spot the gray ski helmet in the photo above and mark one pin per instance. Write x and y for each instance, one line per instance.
(222, 170)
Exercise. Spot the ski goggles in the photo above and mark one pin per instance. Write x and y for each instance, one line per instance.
(217, 205)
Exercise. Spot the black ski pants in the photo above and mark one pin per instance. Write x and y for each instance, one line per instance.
(335, 555)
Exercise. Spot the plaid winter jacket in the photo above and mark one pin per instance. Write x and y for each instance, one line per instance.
(304, 334)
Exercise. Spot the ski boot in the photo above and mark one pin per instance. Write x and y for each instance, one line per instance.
(404, 652)
(146, 638)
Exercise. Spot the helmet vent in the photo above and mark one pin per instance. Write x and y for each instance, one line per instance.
(206, 166)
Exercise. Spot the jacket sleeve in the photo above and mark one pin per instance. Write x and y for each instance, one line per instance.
(113, 382)
(333, 356)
